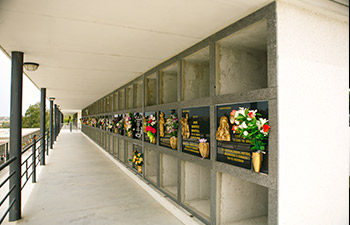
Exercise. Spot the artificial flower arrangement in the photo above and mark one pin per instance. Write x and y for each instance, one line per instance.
(93, 122)
(171, 125)
(109, 124)
(171, 128)
(137, 160)
(128, 124)
(247, 124)
(119, 125)
(151, 128)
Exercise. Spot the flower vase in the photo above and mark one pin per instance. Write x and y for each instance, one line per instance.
(257, 159)
(152, 140)
(204, 149)
(130, 134)
(173, 142)
(139, 169)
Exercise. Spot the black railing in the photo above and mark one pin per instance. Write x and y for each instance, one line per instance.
(28, 165)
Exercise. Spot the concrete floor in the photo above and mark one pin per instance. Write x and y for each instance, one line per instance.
(80, 185)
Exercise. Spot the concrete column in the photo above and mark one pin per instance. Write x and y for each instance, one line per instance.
(51, 124)
(42, 124)
(313, 130)
(16, 134)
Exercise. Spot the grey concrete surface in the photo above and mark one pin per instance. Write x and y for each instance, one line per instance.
(80, 185)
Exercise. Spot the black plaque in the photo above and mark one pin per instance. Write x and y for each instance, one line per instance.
(237, 151)
(138, 128)
(165, 141)
(199, 127)
(147, 114)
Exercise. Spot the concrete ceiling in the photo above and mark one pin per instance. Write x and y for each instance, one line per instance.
(86, 49)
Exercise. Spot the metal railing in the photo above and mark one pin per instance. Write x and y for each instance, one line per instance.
(28, 165)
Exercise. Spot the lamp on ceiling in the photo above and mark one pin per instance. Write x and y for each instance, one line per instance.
(31, 66)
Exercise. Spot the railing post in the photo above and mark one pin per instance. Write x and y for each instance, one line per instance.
(16, 134)
(34, 159)
(7, 151)
(42, 124)
(47, 142)
(51, 123)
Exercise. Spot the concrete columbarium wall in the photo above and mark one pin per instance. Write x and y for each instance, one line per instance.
(121, 150)
(168, 85)
(313, 84)
(151, 90)
(196, 181)
(138, 89)
(151, 161)
(195, 78)
(241, 201)
(168, 173)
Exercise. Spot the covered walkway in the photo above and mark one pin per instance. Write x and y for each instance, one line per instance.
(80, 185)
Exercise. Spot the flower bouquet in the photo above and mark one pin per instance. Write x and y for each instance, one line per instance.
(171, 127)
(137, 160)
(128, 124)
(151, 128)
(247, 125)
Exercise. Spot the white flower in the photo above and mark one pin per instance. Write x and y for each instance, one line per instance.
(244, 125)
(245, 133)
(237, 122)
(241, 111)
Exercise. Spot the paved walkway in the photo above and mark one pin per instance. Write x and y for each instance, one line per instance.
(80, 185)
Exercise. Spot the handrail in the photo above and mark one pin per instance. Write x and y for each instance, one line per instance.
(28, 164)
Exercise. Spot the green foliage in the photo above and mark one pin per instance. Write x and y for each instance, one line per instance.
(31, 118)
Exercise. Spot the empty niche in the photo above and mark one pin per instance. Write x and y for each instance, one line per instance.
(115, 101)
(242, 202)
(168, 84)
(129, 153)
(111, 144)
(108, 103)
(116, 145)
(168, 173)
(129, 97)
(196, 181)
(121, 150)
(151, 161)
(121, 99)
(242, 60)
(151, 89)
(195, 78)
(138, 89)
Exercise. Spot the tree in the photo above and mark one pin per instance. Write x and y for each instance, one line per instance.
(31, 118)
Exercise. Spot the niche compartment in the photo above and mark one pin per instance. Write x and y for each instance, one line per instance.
(168, 174)
(241, 202)
(196, 188)
(241, 60)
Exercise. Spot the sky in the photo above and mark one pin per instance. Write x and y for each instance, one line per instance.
(31, 93)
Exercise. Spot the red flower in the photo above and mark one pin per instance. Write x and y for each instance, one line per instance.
(153, 130)
(147, 128)
(233, 112)
(234, 127)
(251, 114)
(266, 128)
